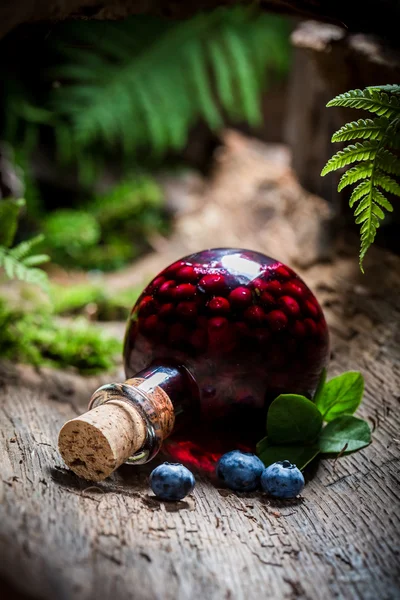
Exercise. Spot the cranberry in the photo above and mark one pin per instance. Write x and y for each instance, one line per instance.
(155, 284)
(259, 285)
(152, 326)
(289, 306)
(212, 284)
(184, 290)
(219, 305)
(240, 297)
(242, 329)
(274, 287)
(311, 327)
(167, 311)
(298, 329)
(147, 306)
(220, 333)
(267, 300)
(187, 274)
(172, 269)
(282, 272)
(294, 288)
(277, 320)
(254, 315)
(167, 289)
(187, 310)
(311, 308)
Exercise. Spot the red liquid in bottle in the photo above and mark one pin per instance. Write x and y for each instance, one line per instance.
(224, 332)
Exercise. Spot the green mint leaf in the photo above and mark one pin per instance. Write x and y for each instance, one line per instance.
(346, 429)
(298, 455)
(261, 445)
(341, 395)
(292, 418)
(320, 386)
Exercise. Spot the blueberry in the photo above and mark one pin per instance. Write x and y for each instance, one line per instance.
(240, 471)
(171, 481)
(282, 480)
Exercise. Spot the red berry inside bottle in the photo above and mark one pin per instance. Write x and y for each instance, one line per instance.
(244, 328)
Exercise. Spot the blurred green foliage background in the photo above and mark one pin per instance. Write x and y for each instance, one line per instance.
(90, 115)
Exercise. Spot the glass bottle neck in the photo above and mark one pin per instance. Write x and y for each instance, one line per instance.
(165, 396)
(177, 383)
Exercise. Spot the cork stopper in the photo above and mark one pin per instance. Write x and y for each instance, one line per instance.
(127, 422)
(99, 441)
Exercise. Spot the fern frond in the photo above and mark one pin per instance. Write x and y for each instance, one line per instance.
(388, 162)
(353, 153)
(387, 183)
(361, 190)
(377, 164)
(19, 264)
(363, 128)
(391, 88)
(381, 199)
(370, 99)
(361, 171)
(36, 259)
(15, 269)
(24, 248)
(144, 82)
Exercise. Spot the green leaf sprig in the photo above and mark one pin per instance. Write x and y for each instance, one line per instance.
(295, 428)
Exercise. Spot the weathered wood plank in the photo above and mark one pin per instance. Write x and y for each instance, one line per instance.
(62, 538)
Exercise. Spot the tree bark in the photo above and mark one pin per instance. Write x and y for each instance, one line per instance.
(371, 16)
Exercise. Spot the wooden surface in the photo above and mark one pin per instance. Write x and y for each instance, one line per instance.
(61, 538)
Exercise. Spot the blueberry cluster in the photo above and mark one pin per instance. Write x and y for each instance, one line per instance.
(244, 472)
(240, 471)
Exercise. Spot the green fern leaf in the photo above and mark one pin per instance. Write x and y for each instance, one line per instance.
(24, 248)
(388, 162)
(372, 100)
(387, 183)
(361, 171)
(391, 88)
(363, 128)
(201, 86)
(15, 269)
(36, 260)
(364, 203)
(222, 73)
(381, 199)
(361, 190)
(149, 79)
(248, 87)
(17, 264)
(378, 164)
(355, 152)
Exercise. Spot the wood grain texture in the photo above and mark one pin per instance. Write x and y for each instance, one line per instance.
(63, 538)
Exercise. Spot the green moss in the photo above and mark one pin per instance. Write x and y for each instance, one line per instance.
(108, 305)
(108, 230)
(40, 339)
